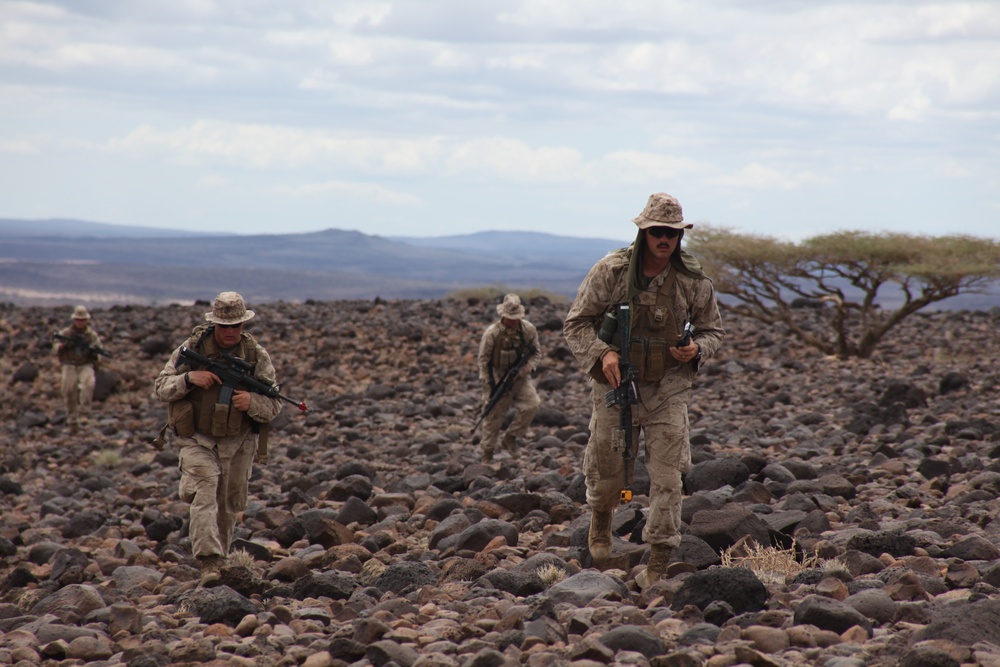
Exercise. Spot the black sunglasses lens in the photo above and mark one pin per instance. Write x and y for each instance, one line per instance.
(660, 232)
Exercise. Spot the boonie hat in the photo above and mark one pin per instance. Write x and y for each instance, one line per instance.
(662, 210)
(80, 313)
(511, 307)
(229, 308)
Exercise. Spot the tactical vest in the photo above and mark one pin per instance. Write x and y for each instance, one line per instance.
(78, 355)
(507, 349)
(208, 416)
(654, 329)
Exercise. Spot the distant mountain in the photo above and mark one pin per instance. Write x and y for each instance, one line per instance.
(72, 261)
(68, 228)
(40, 261)
(520, 246)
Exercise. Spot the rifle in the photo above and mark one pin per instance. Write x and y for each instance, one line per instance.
(504, 386)
(81, 345)
(235, 371)
(625, 395)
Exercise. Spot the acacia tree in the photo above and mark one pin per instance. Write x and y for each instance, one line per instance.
(844, 272)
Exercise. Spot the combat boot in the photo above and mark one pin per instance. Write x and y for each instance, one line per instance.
(656, 568)
(487, 455)
(210, 567)
(599, 539)
(510, 443)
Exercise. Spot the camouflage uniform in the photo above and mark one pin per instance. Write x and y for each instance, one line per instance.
(500, 348)
(215, 469)
(78, 367)
(661, 413)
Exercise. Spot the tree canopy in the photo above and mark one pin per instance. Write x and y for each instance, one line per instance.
(850, 274)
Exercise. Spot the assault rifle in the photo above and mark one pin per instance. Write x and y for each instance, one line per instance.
(81, 344)
(234, 371)
(504, 385)
(625, 395)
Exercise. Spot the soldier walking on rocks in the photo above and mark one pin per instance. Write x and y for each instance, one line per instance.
(218, 441)
(664, 288)
(77, 347)
(506, 342)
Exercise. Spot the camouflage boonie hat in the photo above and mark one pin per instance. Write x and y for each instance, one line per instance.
(511, 307)
(662, 210)
(229, 308)
(80, 313)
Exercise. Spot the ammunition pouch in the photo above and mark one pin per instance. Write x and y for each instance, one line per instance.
(180, 417)
(651, 358)
(226, 420)
(507, 359)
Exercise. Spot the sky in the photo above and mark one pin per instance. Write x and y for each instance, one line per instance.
(442, 117)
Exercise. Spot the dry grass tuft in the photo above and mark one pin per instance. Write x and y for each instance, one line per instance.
(241, 558)
(551, 574)
(770, 564)
(108, 458)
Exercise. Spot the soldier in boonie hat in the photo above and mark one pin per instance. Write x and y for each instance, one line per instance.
(509, 346)
(229, 308)
(662, 209)
(77, 349)
(220, 431)
(511, 307)
(673, 322)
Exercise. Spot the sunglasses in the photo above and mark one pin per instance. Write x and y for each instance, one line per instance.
(229, 326)
(661, 232)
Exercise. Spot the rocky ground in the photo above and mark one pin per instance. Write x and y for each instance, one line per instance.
(375, 536)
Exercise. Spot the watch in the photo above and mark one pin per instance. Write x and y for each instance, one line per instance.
(187, 380)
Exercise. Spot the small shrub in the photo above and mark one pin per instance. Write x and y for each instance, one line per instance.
(240, 558)
(551, 574)
(770, 564)
(108, 458)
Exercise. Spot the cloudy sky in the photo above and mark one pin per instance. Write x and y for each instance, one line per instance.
(437, 117)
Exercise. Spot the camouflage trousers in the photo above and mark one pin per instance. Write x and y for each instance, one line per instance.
(77, 386)
(524, 398)
(663, 422)
(214, 479)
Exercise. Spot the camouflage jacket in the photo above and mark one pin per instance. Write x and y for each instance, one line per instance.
(489, 341)
(605, 286)
(78, 355)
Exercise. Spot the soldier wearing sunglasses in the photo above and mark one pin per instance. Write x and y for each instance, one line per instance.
(665, 289)
(218, 440)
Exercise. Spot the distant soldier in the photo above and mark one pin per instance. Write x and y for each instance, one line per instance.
(78, 348)
(218, 439)
(504, 344)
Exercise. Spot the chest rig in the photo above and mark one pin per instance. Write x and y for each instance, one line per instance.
(78, 354)
(654, 329)
(508, 349)
(208, 416)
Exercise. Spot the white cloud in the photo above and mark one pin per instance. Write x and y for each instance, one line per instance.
(19, 147)
(363, 191)
(514, 161)
(758, 177)
(213, 181)
(639, 167)
(264, 146)
(955, 169)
